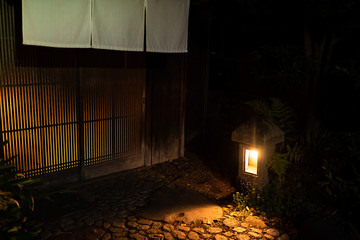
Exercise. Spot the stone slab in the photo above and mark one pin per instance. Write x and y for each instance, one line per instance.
(171, 204)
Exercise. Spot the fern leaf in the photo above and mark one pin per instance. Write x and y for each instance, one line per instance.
(279, 163)
(282, 115)
(260, 107)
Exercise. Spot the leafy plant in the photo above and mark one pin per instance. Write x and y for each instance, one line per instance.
(281, 67)
(317, 173)
(246, 199)
(241, 200)
(279, 163)
(16, 201)
(276, 111)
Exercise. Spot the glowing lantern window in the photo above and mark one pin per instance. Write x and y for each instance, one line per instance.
(251, 161)
(256, 140)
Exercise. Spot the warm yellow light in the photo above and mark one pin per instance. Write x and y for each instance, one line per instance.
(253, 154)
(251, 160)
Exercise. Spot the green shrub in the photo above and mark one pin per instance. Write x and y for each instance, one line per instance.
(16, 202)
(313, 174)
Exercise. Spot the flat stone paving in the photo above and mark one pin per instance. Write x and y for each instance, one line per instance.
(111, 206)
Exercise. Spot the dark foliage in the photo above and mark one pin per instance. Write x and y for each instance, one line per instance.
(16, 202)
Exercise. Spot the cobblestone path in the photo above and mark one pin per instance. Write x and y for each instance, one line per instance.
(105, 208)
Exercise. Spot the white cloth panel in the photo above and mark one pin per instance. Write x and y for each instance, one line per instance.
(167, 25)
(57, 23)
(118, 24)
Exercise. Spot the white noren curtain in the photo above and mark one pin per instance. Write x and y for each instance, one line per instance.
(57, 23)
(107, 24)
(118, 24)
(167, 25)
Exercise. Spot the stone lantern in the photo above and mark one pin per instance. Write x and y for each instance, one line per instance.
(257, 139)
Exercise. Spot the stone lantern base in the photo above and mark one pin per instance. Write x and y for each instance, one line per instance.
(257, 139)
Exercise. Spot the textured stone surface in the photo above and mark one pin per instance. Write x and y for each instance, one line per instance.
(118, 223)
(255, 235)
(198, 230)
(245, 224)
(172, 205)
(111, 218)
(184, 228)
(242, 237)
(267, 236)
(154, 231)
(107, 236)
(144, 221)
(89, 221)
(228, 234)
(179, 234)
(156, 225)
(106, 225)
(214, 230)
(168, 227)
(132, 224)
(256, 230)
(255, 222)
(193, 235)
(168, 236)
(206, 236)
(239, 229)
(68, 227)
(220, 237)
(137, 236)
(120, 234)
(230, 222)
(273, 232)
(115, 229)
(284, 237)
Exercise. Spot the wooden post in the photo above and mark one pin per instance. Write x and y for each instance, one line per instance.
(182, 105)
(1, 140)
(80, 122)
(148, 119)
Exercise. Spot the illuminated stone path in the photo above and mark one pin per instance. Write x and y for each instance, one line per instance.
(134, 228)
(111, 210)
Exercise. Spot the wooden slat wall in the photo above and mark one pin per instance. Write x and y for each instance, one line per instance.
(38, 116)
(98, 106)
(113, 113)
(167, 106)
(128, 112)
(56, 114)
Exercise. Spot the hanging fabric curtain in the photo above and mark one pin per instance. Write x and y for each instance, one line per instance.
(118, 24)
(107, 24)
(167, 25)
(57, 23)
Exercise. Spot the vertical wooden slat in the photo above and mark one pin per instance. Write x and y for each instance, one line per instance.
(18, 138)
(72, 151)
(66, 97)
(36, 109)
(61, 137)
(22, 140)
(80, 122)
(38, 115)
(2, 57)
(51, 120)
(126, 139)
(182, 105)
(113, 120)
(46, 116)
(41, 121)
(12, 32)
(6, 24)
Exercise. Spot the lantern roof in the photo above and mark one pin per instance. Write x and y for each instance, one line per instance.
(258, 131)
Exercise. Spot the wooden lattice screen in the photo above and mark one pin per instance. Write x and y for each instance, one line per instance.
(58, 115)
